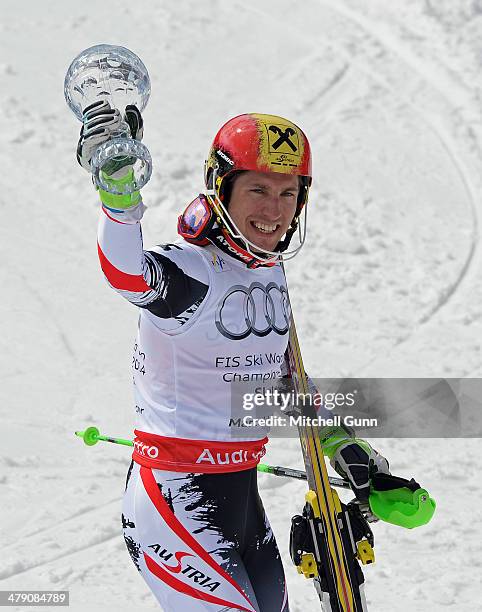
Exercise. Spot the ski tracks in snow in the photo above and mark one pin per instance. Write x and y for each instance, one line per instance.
(439, 101)
(83, 530)
(452, 93)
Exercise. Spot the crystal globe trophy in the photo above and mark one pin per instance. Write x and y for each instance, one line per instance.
(117, 75)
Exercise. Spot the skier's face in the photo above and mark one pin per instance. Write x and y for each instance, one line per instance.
(262, 205)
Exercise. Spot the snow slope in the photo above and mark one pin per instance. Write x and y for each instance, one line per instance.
(388, 284)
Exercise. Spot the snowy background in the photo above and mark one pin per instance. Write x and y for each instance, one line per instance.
(389, 283)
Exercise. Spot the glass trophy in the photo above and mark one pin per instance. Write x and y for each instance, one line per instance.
(115, 74)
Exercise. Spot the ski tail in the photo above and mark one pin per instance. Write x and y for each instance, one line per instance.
(324, 547)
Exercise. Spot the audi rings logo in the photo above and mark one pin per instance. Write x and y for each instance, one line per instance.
(257, 309)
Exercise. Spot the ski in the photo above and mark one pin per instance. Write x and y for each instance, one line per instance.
(329, 539)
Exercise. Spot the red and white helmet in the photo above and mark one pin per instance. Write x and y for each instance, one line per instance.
(262, 143)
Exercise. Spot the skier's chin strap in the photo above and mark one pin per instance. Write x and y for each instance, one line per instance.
(284, 244)
(243, 248)
(220, 238)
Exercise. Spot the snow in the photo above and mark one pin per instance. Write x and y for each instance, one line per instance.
(388, 283)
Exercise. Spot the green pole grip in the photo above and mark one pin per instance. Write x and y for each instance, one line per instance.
(403, 507)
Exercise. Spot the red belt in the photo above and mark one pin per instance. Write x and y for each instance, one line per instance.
(198, 456)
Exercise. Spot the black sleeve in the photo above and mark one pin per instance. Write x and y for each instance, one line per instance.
(180, 293)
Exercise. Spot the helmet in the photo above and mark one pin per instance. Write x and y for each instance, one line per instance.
(262, 143)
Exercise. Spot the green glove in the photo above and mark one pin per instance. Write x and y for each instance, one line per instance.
(115, 202)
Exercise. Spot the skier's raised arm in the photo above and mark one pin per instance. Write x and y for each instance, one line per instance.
(150, 279)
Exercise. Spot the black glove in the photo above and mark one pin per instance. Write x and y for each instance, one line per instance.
(357, 461)
(134, 120)
(101, 122)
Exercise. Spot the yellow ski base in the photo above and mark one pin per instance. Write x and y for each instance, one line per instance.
(365, 552)
(312, 499)
(308, 566)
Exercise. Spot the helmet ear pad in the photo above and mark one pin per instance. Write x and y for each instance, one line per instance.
(227, 184)
(305, 184)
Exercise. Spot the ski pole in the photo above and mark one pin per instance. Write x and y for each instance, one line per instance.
(397, 501)
(92, 435)
(278, 470)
